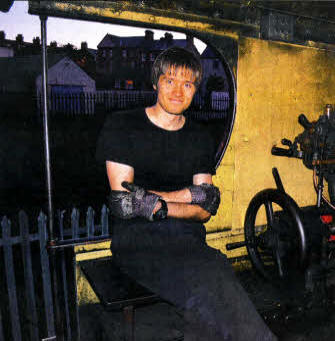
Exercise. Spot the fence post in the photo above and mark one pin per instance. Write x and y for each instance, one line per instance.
(70, 265)
(65, 295)
(104, 220)
(60, 215)
(10, 277)
(28, 276)
(75, 223)
(90, 222)
(84, 100)
(69, 289)
(49, 309)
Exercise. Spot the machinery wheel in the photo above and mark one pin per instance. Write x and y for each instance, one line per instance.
(277, 248)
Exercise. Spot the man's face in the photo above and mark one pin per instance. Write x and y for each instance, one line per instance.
(176, 89)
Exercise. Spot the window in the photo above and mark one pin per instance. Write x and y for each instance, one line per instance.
(152, 57)
(111, 53)
(124, 53)
(117, 84)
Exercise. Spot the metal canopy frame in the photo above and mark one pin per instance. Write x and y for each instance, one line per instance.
(43, 19)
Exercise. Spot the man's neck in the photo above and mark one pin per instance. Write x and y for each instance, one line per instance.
(163, 119)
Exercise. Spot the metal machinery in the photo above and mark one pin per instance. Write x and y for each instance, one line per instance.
(296, 242)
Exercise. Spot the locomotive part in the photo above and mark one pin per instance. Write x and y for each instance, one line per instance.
(278, 248)
(233, 246)
(302, 119)
(295, 241)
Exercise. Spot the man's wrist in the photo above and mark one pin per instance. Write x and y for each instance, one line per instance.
(162, 212)
(181, 196)
(157, 207)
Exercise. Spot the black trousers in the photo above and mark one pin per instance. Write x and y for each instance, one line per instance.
(172, 259)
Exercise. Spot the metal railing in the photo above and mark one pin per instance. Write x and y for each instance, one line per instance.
(29, 301)
(89, 103)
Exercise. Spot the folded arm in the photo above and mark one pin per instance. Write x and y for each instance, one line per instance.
(179, 202)
(180, 196)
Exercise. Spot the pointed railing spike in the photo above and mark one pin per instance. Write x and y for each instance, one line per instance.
(75, 215)
(90, 222)
(42, 223)
(4, 221)
(104, 220)
(60, 214)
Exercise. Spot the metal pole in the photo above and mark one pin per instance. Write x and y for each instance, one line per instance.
(46, 126)
(52, 253)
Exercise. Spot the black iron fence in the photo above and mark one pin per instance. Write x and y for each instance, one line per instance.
(27, 310)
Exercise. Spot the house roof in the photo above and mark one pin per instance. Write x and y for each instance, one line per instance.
(161, 44)
(93, 52)
(14, 43)
(111, 40)
(18, 74)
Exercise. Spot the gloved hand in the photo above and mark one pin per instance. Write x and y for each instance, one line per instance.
(136, 203)
(206, 196)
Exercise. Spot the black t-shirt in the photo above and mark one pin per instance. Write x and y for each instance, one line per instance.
(163, 160)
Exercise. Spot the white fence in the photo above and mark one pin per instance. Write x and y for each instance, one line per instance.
(88, 103)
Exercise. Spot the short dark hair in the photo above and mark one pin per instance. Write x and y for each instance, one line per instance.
(176, 57)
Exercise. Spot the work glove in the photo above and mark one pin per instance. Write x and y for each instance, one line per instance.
(135, 203)
(207, 196)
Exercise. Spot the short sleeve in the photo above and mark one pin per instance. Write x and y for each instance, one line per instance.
(114, 142)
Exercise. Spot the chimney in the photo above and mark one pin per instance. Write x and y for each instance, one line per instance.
(168, 38)
(19, 38)
(149, 35)
(2, 35)
(37, 41)
(84, 45)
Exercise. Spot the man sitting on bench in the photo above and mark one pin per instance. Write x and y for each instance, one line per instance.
(160, 165)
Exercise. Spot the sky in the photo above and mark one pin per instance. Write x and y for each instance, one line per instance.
(64, 31)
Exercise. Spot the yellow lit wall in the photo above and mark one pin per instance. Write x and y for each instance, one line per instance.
(275, 83)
